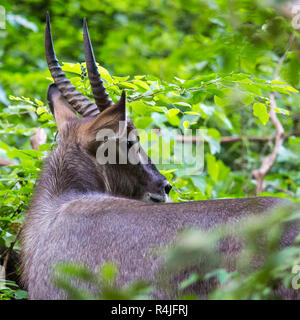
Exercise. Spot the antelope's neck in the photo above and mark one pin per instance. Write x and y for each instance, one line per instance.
(69, 170)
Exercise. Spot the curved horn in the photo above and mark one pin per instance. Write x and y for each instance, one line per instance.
(101, 97)
(79, 102)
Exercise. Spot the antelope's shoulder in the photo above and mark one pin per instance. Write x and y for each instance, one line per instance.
(96, 203)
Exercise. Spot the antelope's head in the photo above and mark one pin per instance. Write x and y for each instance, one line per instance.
(101, 124)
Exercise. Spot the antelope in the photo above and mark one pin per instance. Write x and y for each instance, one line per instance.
(91, 213)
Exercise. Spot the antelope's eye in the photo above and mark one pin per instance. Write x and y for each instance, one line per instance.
(129, 144)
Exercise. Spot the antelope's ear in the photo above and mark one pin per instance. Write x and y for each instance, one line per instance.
(60, 108)
(113, 118)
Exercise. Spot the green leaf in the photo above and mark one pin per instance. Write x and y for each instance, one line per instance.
(282, 111)
(39, 102)
(128, 85)
(40, 110)
(247, 99)
(71, 67)
(213, 138)
(277, 82)
(120, 79)
(251, 87)
(186, 124)
(221, 274)
(214, 144)
(74, 270)
(260, 111)
(142, 84)
(220, 101)
(139, 107)
(289, 88)
(193, 278)
(45, 117)
(172, 117)
(108, 272)
(21, 295)
(172, 112)
(212, 167)
(183, 104)
(224, 119)
(143, 122)
(192, 113)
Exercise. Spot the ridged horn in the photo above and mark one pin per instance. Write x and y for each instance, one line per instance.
(79, 102)
(101, 97)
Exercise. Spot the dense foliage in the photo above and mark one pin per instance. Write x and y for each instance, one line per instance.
(184, 64)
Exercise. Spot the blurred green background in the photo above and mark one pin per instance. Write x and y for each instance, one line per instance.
(162, 38)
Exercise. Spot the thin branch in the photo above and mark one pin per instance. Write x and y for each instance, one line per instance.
(268, 161)
(145, 95)
(230, 139)
(281, 60)
(290, 193)
(9, 250)
(5, 162)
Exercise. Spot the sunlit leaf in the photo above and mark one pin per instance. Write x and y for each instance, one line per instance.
(260, 111)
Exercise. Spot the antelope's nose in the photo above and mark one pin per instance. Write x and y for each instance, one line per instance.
(167, 187)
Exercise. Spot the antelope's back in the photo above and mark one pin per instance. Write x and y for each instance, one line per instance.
(92, 230)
